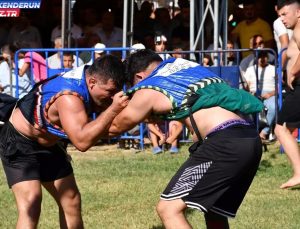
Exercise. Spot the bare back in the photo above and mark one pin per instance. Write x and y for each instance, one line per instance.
(206, 119)
(25, 128)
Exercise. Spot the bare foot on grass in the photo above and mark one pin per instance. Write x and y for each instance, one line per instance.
(294, 181)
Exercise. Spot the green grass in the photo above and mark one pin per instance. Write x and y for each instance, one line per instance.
(120, 189)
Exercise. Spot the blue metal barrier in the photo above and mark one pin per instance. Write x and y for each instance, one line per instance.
(230, 74)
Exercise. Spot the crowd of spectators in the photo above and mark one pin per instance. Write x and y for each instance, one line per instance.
(98, 24)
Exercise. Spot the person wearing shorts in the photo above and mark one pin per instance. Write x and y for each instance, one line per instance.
(25, 159)
(227, 150)
(289, 115)
(218, 172)
(55, 111)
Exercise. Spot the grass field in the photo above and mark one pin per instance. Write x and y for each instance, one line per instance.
(120, 189)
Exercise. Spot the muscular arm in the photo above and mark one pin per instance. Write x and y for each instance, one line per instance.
(75, 122)
(139, 108)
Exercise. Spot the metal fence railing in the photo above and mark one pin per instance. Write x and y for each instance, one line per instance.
(230, 72)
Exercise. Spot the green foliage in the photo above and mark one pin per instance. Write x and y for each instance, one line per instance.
(120, 189)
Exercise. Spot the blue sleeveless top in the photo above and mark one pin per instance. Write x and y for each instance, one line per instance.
(72, 82)
(189, 85)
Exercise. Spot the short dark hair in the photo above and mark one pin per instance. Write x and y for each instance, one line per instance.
(68, 53)
(108, 67)
(282, 3)
(262, 54)
(139, 61)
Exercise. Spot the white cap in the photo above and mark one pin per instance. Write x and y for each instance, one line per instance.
(136, 47)
(99, 46)
(160, 38)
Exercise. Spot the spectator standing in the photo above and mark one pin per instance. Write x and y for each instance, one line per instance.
(90, 39)
(76, 33)
(180, 26)
(23, 31)
(8, 76)
(87, 16)
(250, 26)
(109, 34)
(55, 61)
(162, 22)
(282, 36)
(289, 115)
(144, 24)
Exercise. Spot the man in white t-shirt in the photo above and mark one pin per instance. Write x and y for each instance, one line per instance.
(55, 61)
(76, 32)
(264, 75)
(109, 34)
(8, 77)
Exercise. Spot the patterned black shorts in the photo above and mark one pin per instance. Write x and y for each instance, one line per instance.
(218, 172)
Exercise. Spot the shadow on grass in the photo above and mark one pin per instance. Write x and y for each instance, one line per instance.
(297, 188)
(189, 211)
(264, 165)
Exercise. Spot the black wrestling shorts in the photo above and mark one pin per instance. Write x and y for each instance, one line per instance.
(218, 172)
(290, 110)
(24, 159)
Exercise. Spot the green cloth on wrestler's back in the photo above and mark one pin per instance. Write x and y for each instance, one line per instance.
(221, 94)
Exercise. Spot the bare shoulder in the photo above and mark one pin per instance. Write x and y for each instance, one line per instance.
(151, 95)
(159, 102)
(66, 106)
(149, 92)
(71, 101)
